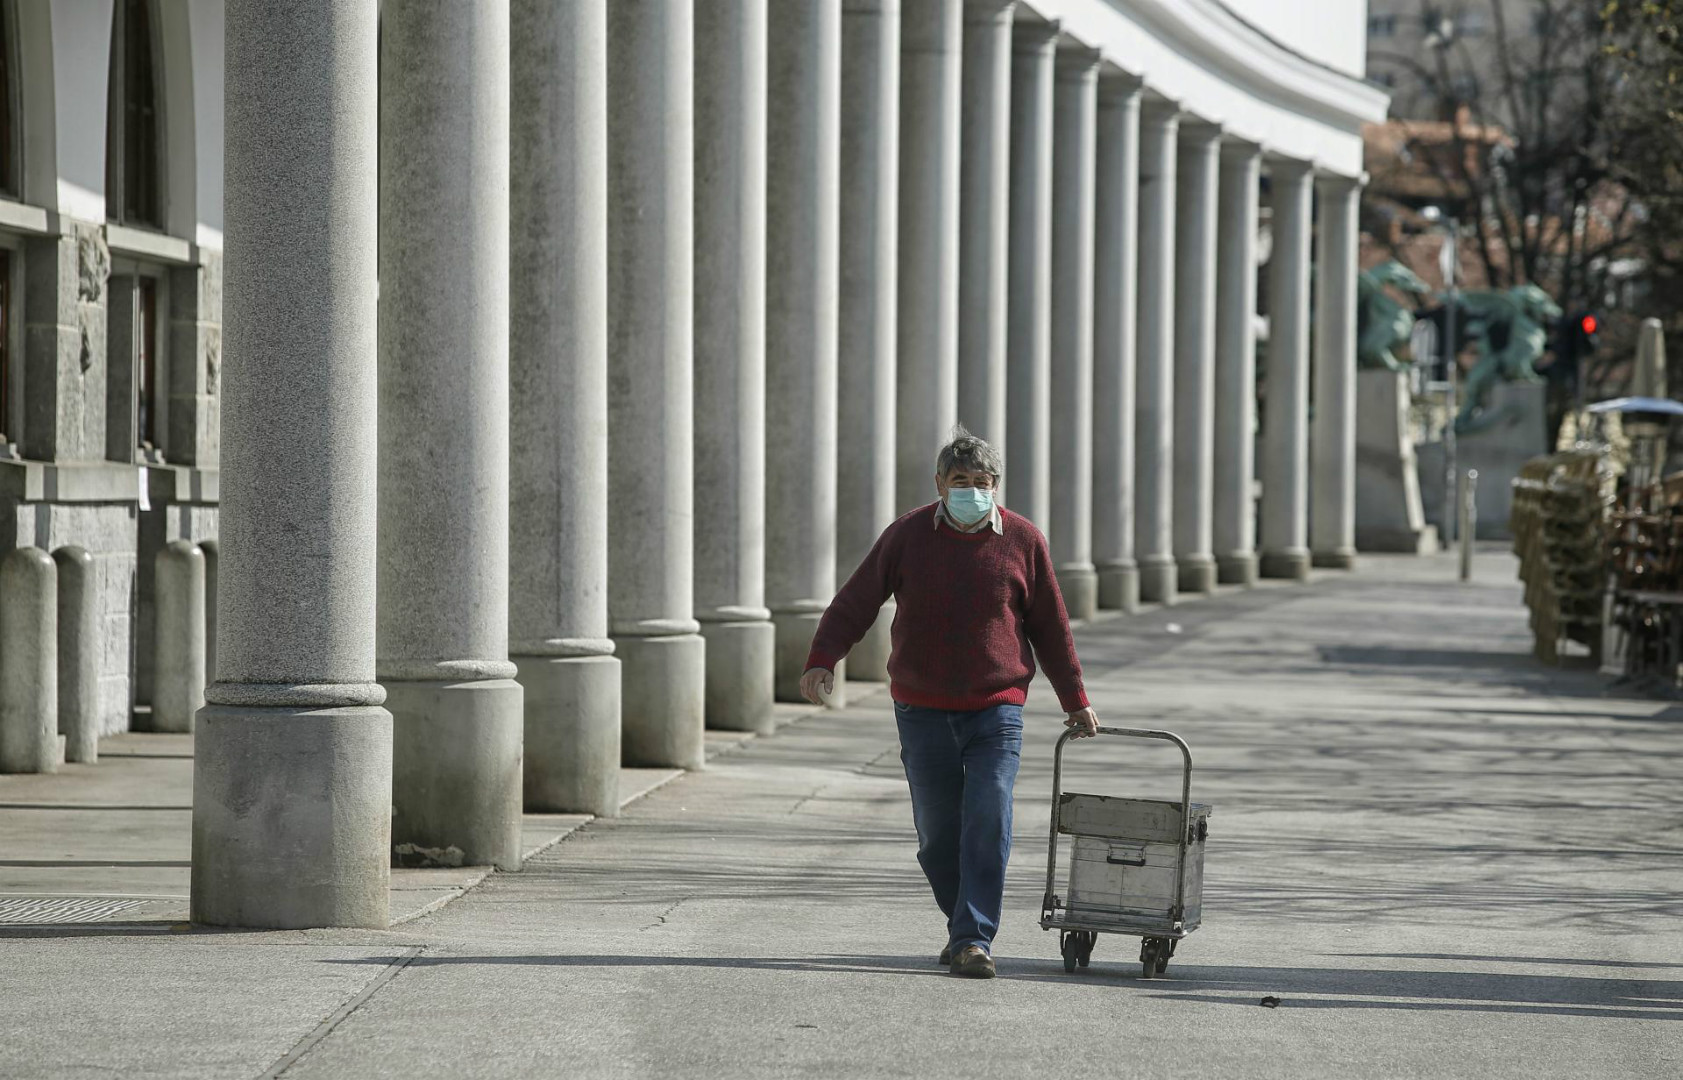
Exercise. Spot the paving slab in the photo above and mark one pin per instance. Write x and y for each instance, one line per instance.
(1442, 858)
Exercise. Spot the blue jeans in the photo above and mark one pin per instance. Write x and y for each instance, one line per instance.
(960, 767)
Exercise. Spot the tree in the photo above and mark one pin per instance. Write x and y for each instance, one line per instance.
(1531, 149)
(1644, 42)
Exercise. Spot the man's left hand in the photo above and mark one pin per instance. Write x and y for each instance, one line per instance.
(1085, 723)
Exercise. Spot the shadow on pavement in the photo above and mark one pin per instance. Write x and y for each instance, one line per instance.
(1331, 988)
(1560, 960)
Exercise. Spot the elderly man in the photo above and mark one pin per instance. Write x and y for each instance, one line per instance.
(978, 602)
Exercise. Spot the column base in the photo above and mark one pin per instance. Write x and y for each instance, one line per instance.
(1197, 574)
(663, 692)
(572, 734)
(739, 675)
(1292, 565)
(1157, 580)
(1337, 559)
(1119, 587)
(456, 771)
(1080, 585)
(794, 641)
(1236, 569)
(868, 662)
(292, 817)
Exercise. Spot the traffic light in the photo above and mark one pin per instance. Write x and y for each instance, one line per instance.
(1575, 340)
(1588, 324)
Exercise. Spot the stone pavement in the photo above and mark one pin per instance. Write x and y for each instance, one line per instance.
(1444, 859)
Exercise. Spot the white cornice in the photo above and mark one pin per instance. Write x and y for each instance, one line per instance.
(1210, 35)
(1208, 30)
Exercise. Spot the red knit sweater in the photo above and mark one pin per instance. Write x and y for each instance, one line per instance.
(971, 605)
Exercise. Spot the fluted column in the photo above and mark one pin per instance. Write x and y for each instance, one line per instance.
(1235, 379)
(1028, 471)
(1285, 427)
(292, 753)
(931, 48)
(802, 261)
(984, 217)
(442, 622)
(1332, 443)
(1197, 171)
(651, 521)
(1115, 281)
(1075, 133)
(730, 355)
(1154, 413)
(558, 407)
(870, 174)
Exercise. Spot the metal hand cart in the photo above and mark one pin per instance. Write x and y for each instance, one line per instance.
(1136, 865)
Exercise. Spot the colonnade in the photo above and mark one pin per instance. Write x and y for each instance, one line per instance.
(676, 303)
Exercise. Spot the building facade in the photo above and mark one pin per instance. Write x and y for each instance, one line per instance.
(110, 301)
(576, 352)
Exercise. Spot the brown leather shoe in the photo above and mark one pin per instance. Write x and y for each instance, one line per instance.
(973, 962)
(946, 959)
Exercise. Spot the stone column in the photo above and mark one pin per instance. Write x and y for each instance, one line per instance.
(932, 47)
(1197, 172)
(558, 406)
(1235, 378)
(442, 623)
(730, 362)
(79, 654)
(1285, 426)
(1154, 413)
(984, 209)
(1115, 284)
(651, 402)
(178, 629)
(1332, 443)
(292, 778)
(802, 290)
(1028, 471)
(28, 662)
(1075, 133)
(870, 171)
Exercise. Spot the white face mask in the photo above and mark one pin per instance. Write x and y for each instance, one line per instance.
(969, 505)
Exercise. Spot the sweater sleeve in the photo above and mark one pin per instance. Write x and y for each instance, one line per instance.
(854, 609)
(1048, 631)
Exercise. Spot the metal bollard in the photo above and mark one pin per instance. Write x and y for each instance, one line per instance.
(78, 655)
(178, 642)
(28, 662)
(1469, 522)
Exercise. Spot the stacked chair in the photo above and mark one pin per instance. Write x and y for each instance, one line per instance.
(1559, 522)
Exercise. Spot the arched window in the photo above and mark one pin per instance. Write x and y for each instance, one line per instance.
(133, 129)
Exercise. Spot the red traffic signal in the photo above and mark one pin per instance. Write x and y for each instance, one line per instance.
(1588, 324)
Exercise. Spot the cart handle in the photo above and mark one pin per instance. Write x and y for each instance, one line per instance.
(1185, 806)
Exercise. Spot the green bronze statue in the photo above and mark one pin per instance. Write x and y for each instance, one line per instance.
(1382, 324)
(1510, 330)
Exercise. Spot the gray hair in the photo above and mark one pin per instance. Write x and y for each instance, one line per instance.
(967, 451)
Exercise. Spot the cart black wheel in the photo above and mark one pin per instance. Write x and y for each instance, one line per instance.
(1165, 949)
(1088, 940)
(1148, 957)
(1069, 948)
